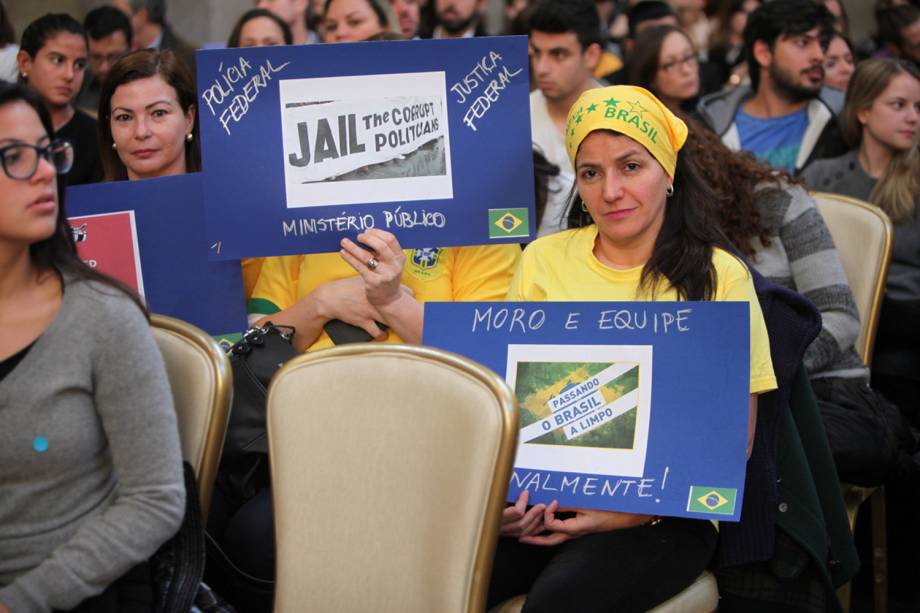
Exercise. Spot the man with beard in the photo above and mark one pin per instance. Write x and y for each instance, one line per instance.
(458, 18)
(786, 117)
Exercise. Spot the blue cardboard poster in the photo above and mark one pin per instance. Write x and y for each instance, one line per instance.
(633, 406)
(303, 145)
(151, 236)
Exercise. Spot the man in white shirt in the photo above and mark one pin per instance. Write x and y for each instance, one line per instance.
(565, 48)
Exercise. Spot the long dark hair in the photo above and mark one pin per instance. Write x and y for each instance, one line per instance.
(234, 40)
(682, 255)
(137, 65)
(7, 33)
(733, 175)
(58, 252)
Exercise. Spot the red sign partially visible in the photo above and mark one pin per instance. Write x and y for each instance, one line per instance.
(108, 243)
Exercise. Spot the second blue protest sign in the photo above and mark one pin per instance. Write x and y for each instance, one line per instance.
(638, 407)
(303, 145)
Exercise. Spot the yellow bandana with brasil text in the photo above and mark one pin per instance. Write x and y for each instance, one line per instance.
(629, 110)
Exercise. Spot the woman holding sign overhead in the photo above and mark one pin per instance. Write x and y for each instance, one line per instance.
(641, 230)
(90, 463)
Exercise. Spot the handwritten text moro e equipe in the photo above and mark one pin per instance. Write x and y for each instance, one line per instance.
(513, 319)
(487, 67)
(237, 89)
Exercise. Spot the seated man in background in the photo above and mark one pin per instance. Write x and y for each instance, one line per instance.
(109, 35)
(787, 117)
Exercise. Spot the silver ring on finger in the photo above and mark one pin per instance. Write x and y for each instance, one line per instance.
(373, 263)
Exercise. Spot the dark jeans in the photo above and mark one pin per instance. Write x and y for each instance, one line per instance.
(245, 536)
(623, 570)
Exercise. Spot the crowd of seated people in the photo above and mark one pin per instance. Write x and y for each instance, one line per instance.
(761, 102)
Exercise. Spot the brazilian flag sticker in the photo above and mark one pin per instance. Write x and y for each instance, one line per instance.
(506, 223)
(717, 500)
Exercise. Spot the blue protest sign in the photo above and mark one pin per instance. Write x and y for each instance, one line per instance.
(151, 236)
(633, 406)
(429, 139)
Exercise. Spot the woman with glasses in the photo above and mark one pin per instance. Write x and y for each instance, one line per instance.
(665, 63)
(90, 464)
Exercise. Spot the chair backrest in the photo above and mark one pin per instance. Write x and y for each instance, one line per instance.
(202, 387)
(863, 236)
(390, 466)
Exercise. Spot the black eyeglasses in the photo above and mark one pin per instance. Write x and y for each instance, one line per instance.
(688, 60)
(20, 161)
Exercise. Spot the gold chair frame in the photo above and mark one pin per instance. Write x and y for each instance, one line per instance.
(221, 397)
(855, 496)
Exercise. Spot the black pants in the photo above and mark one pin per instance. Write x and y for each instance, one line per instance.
(869, 439)
(623, 570)
(243, 570)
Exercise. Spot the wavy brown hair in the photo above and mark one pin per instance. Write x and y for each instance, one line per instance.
(733, 176)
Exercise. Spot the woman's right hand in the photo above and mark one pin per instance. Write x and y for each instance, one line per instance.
(518, 521)
(346, 300)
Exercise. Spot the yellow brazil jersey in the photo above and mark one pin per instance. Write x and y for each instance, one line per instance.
(563, 267)
(449, 274)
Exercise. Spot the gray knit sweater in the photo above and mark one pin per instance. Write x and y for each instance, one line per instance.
(844, 175)
(802, 257)
(90, 462)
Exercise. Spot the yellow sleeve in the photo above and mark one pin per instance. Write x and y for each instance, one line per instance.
(276, 288)
(736, 284)
(483, 272)
(523, 288)
(251, 268)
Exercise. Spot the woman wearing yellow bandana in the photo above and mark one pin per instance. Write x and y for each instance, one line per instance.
(641, 230)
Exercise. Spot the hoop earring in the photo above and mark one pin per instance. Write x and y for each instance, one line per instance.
(584, 207)
(670, 190)
(188, 137)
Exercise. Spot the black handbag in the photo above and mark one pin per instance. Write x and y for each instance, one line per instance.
(178, 566)
(254, 360)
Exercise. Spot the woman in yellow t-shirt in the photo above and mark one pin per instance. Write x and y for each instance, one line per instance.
(641, 229)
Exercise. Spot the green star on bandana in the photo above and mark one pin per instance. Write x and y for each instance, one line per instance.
(592, 108)
(638, 109)
(611, 102)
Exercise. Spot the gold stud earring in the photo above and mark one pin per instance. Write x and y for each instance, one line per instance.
(188, 137)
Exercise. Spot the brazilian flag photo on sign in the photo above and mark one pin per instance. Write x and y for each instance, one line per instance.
(506, 223)
(717, 500)
(584, 408)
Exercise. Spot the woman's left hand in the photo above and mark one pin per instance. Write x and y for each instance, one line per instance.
(586, 521)
(381, 268)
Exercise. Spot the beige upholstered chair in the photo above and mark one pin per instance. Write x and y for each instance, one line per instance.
(863, 236)
(390, 465)
(200, 378)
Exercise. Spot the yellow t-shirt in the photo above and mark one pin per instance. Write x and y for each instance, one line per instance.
(251, 268)
(563, 267)
(448, 274)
